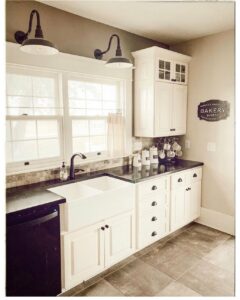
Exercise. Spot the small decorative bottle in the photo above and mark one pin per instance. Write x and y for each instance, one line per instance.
(63, 172)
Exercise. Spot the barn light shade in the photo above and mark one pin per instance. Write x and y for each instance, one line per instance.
(115, 62)
(37, 45)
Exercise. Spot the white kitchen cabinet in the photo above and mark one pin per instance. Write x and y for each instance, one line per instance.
(185, 197)
(90, 250)
(160, 101)
(152, 205)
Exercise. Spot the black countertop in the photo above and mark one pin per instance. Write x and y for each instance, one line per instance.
(27, 196)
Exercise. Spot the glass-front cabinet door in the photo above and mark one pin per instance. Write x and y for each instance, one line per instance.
(164, 70)
(180, 72)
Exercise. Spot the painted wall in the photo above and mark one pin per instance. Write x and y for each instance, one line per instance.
(211, 76)
(71, 33)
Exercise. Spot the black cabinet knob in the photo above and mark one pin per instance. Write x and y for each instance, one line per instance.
(154, 203)
(154, 219)
(154, 233)
(103, 228)
(154, 187)
(179, 179)
(106, 226)
(194, 175)
(189, 189)
(186, 189)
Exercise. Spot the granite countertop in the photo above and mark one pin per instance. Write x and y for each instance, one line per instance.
(27, 196)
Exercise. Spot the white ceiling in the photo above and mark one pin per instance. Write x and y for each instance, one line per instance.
(167, 22)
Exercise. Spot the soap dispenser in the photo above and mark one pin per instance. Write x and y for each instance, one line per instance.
(63, 172)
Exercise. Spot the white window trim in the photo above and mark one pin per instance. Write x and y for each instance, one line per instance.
(65, 65)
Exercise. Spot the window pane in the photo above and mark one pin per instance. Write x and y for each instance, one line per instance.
(23, 130)
(47, 129)
(19, 111)
(43, 87)
(17, 101)
(48, 148)
(94, 104)
(109, 92)
(80, 128)
(44, 102)
(81, 144)
(19, 85)
(110, 105)
(46, 111)
(98, 127)
(98, 143)
(25, 150)
(77, 112)
(8, 152)
(76, 89)
(8, 131)
(93, 91)
(77, 103)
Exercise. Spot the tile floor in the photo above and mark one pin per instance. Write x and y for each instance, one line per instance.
(194, 261)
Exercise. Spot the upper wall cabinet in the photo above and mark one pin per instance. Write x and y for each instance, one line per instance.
(160, 103)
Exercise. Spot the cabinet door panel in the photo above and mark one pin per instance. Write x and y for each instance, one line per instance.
(119, 238)
(83, 254)
(179, 109)
(163, 108)
(195, 204)
(178, 218)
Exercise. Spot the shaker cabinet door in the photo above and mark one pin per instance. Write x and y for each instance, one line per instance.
(179, 109)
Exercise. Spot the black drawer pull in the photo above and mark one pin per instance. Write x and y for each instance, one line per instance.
(194, 175)
(154, 203)
(154, 233)
(154, 187)
(102, 228)
(172, 129)
(179, 179)
(154, 219)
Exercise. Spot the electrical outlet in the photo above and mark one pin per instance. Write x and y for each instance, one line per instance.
(211, 147)
(187, 144)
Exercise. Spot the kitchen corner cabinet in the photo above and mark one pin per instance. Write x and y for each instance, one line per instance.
(160, 101)
(90, 250)
(185, 197)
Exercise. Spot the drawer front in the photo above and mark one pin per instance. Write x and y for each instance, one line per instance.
(195, 174)
(178, 180)
(153, 203)
(152, 186)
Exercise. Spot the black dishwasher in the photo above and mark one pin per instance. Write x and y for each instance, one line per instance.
(33, 252)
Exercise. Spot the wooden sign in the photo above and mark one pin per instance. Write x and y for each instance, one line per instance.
(213, 110)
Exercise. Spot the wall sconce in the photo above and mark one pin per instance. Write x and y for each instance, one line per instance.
(115, 62)
(37, 45)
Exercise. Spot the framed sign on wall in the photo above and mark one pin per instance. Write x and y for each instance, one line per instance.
(213, 110)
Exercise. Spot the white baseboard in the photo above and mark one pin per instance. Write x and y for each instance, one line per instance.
(217, 220)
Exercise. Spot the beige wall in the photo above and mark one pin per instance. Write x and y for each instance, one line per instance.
(211, 76)
(71, 33)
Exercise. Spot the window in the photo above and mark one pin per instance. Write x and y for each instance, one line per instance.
(34, 117)
(89, 103)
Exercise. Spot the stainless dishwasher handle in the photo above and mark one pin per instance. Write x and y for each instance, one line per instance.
(37, 221)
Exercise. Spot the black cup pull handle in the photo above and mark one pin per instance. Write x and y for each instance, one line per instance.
(173, 79)
(154, 233)
(194, 175)
(154, 219)
(172, 129)
(154, 203)
(103, 228)
(179, 179)
(154, 187)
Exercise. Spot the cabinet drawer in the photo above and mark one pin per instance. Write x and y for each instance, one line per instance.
(178, 180)
(195, 174)
(153, 203)
(152, 186)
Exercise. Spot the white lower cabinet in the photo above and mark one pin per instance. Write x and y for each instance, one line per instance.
(90, 250)
(185, 197)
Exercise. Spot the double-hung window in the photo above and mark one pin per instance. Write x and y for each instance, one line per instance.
(89, 102)
(34, 119)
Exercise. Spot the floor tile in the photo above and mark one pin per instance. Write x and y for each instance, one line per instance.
(150, 279)
(101, 288)
(127, 284)
(177, 289)
(223, 256)
(209, 280)
(118, 266)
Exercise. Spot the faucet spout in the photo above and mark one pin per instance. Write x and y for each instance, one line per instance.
(72, 167)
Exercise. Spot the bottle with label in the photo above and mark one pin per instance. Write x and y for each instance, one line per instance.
(153, 155)
(63, 172)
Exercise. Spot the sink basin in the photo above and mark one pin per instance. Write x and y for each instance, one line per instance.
(105, 183)
(74, 191)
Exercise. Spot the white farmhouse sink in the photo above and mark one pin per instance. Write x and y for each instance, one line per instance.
(93, 200)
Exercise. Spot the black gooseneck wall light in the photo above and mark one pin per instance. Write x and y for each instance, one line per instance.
(37, 45)
(116, 62)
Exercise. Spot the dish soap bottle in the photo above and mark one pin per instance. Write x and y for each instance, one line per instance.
(63, 172)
